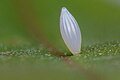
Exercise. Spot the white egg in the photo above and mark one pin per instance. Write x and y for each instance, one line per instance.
(70, 31)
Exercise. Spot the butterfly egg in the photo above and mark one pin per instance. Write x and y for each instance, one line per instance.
(70, 31)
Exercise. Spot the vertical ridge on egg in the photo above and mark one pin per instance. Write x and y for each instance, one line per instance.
(70, 31)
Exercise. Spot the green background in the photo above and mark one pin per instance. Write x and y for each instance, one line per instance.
(98, 21)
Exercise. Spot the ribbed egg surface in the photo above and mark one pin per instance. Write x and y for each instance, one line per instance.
(70, 31)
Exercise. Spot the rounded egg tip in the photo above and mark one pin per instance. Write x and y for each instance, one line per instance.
(64, 9)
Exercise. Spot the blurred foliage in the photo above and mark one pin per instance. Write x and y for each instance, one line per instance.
(35, 62)
(21, 58)
(98, 20)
